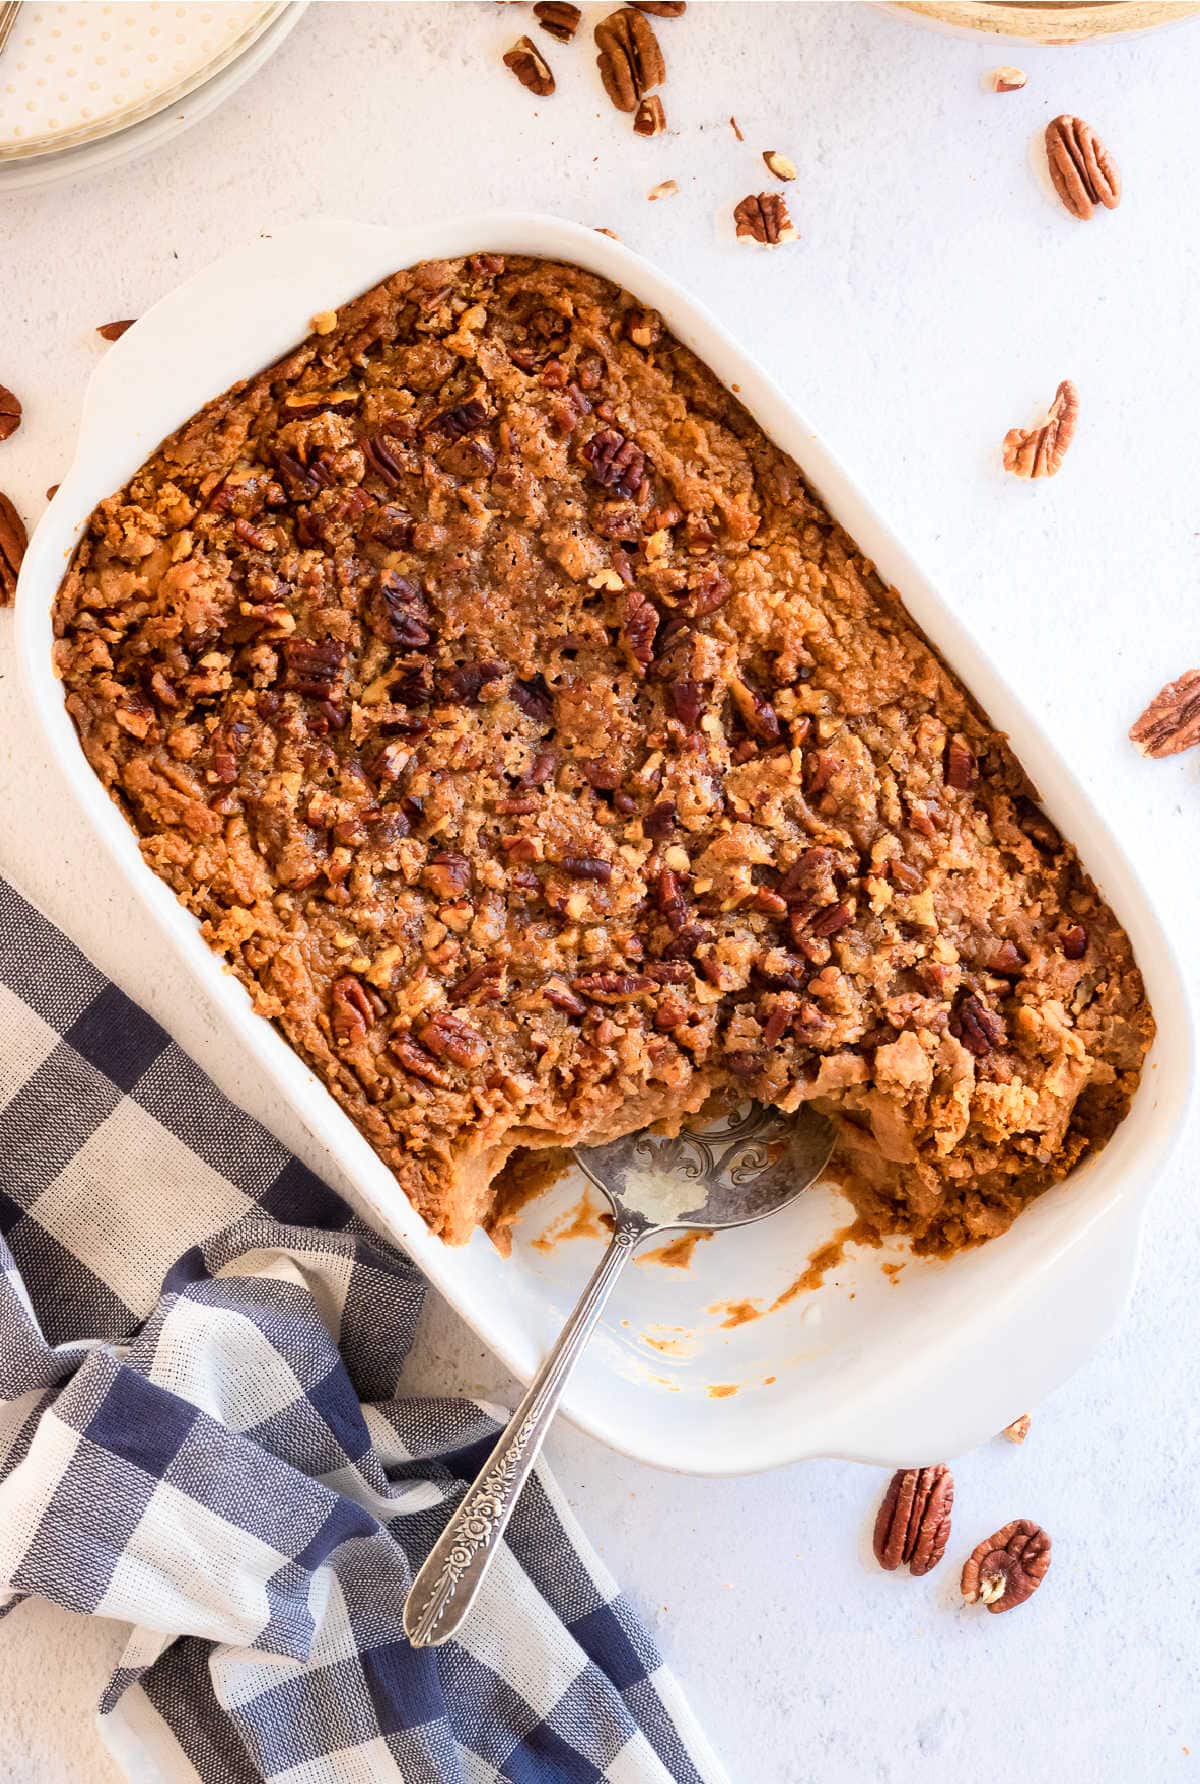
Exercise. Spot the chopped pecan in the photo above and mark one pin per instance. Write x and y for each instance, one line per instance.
(534, 699)
(661, 819)
(530, 67)
(112, 331)
(811, 876)
(421, 1064)
(1083, 171)
(350, 1010)
(961, 769)
(1171, 722)
(10, 412)
(612, 988)
(1073, 941)
(1007, 1568)
(1018, 1431)
(687, 700)
(586, 867)
(449, 1037)
(630, 60)
(313, 666)
(559, 18)
(978, 1026)
(755, 711)
(650, 119)
(616, 462)
(562, 998)
(706, 595)
(463, 419)
(1039, 451)
(912, 1527)
(446, 875)
(831, 919)
(641, 623)
(1007, 79)
(480, 985)
(469, 681)
(668, 896)
(782, 166)
(1004, 958)
(664, 188)
(398, 613)
(763, 217)
(13, 541)
(391, 526)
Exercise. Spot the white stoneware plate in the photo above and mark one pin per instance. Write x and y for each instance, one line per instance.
(889, 1368)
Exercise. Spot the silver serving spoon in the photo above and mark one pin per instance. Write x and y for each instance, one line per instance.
(721, 1174)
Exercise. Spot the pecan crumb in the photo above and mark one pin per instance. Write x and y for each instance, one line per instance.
(1171, 722)
(324, 322)
(559, 18)
(10, 412)
(13, 541)
(1007, 79)
(1007, 1568)
(763, 217)
(664, 189)
(782, 166)
(1039, 451)
(112, 331)
(1018, 1431)
(650, 120)
(1083, 171)
(736, 128)
(530, 67)
(912, 1527)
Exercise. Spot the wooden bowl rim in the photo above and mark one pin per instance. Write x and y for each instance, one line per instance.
(1047, 23)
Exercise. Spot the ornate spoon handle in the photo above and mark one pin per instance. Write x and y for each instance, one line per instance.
(446, 1587)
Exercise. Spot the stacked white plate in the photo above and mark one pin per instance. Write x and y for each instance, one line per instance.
(85, 85)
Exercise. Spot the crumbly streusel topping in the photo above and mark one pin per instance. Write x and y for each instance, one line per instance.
(544, 758)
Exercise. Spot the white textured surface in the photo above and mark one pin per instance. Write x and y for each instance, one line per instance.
(935, 299)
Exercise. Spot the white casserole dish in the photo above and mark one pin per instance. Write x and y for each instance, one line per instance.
(891, 1369)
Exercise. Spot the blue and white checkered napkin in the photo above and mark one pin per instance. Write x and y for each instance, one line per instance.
(199, 1351)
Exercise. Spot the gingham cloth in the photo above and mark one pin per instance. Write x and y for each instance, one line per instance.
(200, 1433)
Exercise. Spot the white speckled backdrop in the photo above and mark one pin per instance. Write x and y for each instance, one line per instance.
(935, 298)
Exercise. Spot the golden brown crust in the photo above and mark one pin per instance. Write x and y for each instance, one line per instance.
(543, 758)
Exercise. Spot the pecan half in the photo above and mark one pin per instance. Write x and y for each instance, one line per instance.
(978, 1026)
(586, 867)
(612, 987)
(912, 1526)
(449, 1037)
(630, 61)
(661, 9)
(1171, 722)
(112, 331)
(313, 666)
(1018, 1431)
(350, 1010)
(1039, 451)
(559, 18)
(10, 412)
(650, 119)
(615, 461)
(1007, 1568)
(421, 1064)
(1083, 171)
(13, 541)
(530, 67)
(763, 217)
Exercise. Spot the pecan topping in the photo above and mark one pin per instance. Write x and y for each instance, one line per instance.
(1007, 1568)
(979, 1027)
(398, 612)
(1018, 1431)
(559, 18)
(650, 119)
(612, 987)
(1083, 171)
(112, 331)
(350, 1010)
(10, 413)
(630, 61)
(912, 1527)
(12, 548)
(961, 769)
(530, 67)
(421, 1064)
(1039, 451)
(763, 217)
(449, 1037)
(586, 867)
(313, 666)
(782, 166)
(616, 462)
(1171, 722)
(1007, 79)
(1073, 941)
